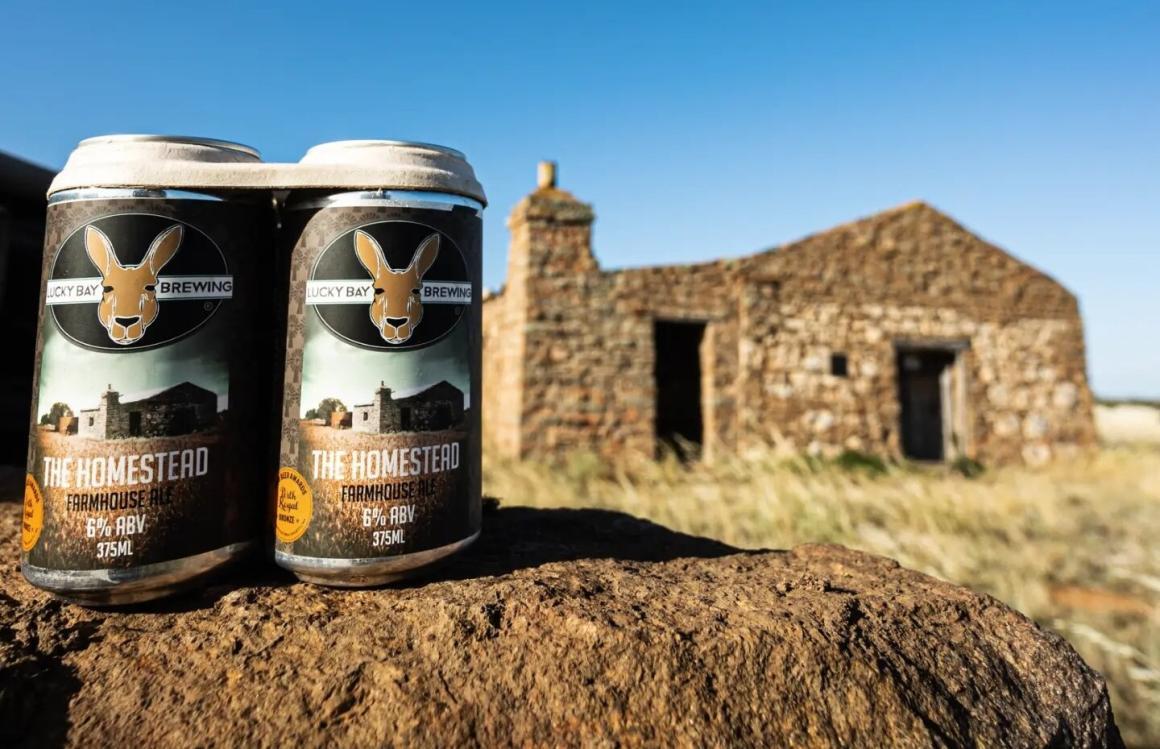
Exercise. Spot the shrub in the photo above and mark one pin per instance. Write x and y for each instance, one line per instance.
(853, 460)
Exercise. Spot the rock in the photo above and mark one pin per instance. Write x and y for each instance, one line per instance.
(560, 627)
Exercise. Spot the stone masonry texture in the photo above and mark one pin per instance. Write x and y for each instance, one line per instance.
(569, 349)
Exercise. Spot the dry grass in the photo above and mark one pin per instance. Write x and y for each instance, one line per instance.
(1074, 545)
(1129, 423)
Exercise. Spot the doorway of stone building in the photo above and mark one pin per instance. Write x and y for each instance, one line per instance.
(677, 375)
(134, 423)
(183, 421)
(930, 394)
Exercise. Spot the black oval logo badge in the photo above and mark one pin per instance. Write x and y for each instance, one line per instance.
(136, 281)
(390, 286)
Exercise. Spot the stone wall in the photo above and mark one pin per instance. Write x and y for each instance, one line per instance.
(550, 267)
(434, 410)
(368, 417)
(569, 360)
(99, 417)
(112, 419)
(502, 375)
(1025, 396)
(910, 277)
(92, 424)
(432, 416)
(164, 419)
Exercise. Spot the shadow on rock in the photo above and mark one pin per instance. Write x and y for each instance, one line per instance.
(513, 538)
(36, 685)
(11, 484)
(34, 699)
(255, 570)
(516, 538)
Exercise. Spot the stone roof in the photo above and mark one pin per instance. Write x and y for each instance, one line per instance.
(894, 237)
(427, 392)
(421, 395)
(180, 393)
(915, 217)
(912, 254)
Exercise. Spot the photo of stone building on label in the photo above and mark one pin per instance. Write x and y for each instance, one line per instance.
(434, 408)
(181, 409)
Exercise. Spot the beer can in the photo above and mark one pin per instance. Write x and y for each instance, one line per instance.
(380, 459)
(145, 470)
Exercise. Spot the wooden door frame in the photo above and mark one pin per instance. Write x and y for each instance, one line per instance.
(958, 440)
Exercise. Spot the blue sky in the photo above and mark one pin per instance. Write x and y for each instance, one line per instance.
(696, 132)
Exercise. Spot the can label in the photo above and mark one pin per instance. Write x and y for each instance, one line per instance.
(380, 441)
(145, 375)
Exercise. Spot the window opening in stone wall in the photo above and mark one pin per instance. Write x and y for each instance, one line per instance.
(677, 375)
(134, 423)
(839, 365)
(405, 418)
(925, 399)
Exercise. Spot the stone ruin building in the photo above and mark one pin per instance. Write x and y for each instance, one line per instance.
(901, 334)
(439, 406)
(181, 409)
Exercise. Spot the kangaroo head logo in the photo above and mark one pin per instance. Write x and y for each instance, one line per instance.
(129, 293)
(398, 306)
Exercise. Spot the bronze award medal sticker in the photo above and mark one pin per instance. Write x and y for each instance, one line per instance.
(32, 522)
(135, 281)
(390, 286)
(295, 506)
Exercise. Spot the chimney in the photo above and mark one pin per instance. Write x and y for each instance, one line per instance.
(546, 175)
(551, 233)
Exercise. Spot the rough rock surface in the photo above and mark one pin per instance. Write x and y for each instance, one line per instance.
(561, 627)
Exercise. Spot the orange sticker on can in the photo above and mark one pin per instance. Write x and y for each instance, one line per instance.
(294, 507)
(33, 521)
